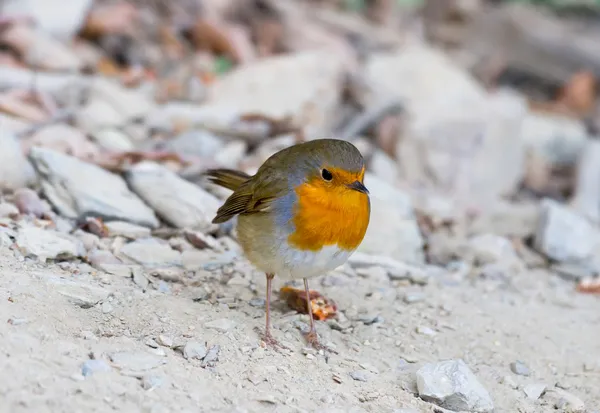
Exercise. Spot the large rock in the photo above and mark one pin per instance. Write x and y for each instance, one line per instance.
(472, 150)
(451, 385)
(61, 22)
(78, 189)
(306, 86)
(458, 136)
(421, 76)
(48, 244)
(15, 171)
(177, 201)
(393, 229)
(564, 236)
(587, 187)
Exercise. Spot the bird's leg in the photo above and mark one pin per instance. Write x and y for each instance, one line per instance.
(312, 336)
(268, 338)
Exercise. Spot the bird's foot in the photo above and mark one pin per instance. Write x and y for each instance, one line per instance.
(270, 341)
(313, 340)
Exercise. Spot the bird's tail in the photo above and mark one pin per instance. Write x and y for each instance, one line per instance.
(227, 178)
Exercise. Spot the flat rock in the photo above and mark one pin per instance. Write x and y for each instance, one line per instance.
(557, 139)
(195, 143)
(151, 254)
(396, 270)
(469, 150)
(15, 171)
(451, 385)
(179, 202)
(311, 80)
(78, 189)
(587, 188)
(222, 324)
(63, 23)
(48, 244)
(520, 368)
(420, 76)
(126, 230)
(563, 400)
(94, 366)
(393, 229)
(534, 391)
(490, 248)
(563, 235)
(80, 294)
(194, 350)
(136, 361)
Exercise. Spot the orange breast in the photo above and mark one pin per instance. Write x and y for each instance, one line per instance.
(329, 216)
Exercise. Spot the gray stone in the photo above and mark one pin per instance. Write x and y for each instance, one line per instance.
(311, 79)
(152, 381)
(211, 357)
(471, 151)
(126, 229)
(195, 143)
(534, 391)
(359, 375)
(15, 171)
(490, 248)
(164, 340)
(179, 202)
(222, 324)
(451, 385)
(48, 244)
(94, 366)
(194, 350)
(8, 210)
(80, 294)
(393, 229)
(151, 254)
(396, 270)
(62, 24)
(563, 235)
(136, 361)
(520, 368)
(78, 189)
(564, 400)
(587, 187)
(557, 139)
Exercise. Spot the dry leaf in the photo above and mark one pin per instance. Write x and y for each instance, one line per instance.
(115, 18)
(589, 286)
(322, 307)
(579, 94)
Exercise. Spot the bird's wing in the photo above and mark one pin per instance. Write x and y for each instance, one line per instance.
(254, 196)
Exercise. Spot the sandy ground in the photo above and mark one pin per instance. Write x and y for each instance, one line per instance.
(535, 318)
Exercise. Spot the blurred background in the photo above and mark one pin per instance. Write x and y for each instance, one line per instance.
(479, 122)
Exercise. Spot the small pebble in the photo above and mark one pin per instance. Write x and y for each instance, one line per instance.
(510, 382)
(107, 307)
(427, 331)
(534, 391)
(94, 366)
(17, 321)
(194, 350)
(164, 341)
(211, 357)
(359, 375)
(257, 302)
(152, 382)
(413, 297)
(151, 343)
(223, 325)
(520, 368)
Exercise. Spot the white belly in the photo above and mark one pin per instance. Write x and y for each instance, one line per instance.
(294, 264)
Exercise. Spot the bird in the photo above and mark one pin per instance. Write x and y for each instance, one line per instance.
(302, 214)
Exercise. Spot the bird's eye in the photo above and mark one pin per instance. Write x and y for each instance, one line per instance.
(326, 175)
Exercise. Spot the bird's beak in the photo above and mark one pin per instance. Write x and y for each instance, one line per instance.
(358, 186)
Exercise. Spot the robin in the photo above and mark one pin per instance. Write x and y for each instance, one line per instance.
(302, 214)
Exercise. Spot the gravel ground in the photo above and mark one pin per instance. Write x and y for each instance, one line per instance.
(54, 326)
